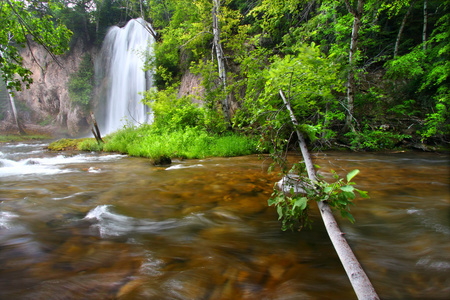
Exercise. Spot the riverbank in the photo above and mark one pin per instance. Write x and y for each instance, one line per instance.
(33, 132)
(152, 143)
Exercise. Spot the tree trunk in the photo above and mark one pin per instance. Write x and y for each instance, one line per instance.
(358, 278)
(220, 59)
(95, 129)
(357, 14)
(97, 23)
(402, 27)
(15, 115)
(425, 24)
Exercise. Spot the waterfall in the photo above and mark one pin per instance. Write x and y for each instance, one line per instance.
(121, 78)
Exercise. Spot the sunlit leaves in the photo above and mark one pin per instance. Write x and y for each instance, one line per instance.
(352, 174)
(308, 78)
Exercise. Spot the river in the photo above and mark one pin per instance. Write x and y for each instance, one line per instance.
(107, 226)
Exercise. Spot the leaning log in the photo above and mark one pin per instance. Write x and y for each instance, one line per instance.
(358, 278)
(95, 129)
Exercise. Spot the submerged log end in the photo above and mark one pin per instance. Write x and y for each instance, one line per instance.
(294, 182)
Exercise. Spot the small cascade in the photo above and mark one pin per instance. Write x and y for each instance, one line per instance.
(120, 69)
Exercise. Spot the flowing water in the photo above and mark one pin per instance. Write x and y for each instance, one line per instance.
(107, 226)
(121, 75)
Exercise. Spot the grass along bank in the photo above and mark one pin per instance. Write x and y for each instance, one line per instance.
(148, 141)
(22, 138)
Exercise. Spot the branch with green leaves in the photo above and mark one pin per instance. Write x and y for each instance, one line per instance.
(293, 195)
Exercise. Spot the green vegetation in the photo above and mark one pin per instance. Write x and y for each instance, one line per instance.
(145, 141)
(81, 83)
(22, 138)
(293, 209)
(65, 144)
(20, 20)
(365, 74)
(391, 73)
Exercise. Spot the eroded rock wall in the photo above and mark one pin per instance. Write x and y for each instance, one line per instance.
(48, 96)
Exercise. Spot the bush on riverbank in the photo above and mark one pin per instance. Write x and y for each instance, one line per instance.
(146, 141)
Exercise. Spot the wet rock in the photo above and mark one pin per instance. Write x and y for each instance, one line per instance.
(163, 160)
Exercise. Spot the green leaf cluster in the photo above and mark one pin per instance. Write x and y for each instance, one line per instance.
(375, 139)
(21, 21)
(172, 112)
(308, 78)
(293, 209)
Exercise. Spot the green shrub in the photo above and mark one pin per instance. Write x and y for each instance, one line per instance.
(192, 142)
(375, 139)
(90, 145)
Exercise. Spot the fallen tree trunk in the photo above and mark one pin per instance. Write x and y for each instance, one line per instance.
(95, 129)
(358, 278)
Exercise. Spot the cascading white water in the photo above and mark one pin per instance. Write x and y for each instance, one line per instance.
(121, 69)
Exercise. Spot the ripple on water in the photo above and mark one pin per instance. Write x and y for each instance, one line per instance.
(51, 165)
(5, 219)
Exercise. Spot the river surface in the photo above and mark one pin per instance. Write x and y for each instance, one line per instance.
(107, 226)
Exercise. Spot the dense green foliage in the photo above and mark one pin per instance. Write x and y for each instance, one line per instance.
(398, 99)
(191, 142)
(180, 129)
(21, 21)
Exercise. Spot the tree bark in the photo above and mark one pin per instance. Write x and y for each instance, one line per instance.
(95, 129)
(402, 27)
(358, 278)
(15, 115)
(425, 24)
(220, 59)
(357, 16)
(99, 10)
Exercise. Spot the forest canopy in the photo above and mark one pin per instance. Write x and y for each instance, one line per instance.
(372, 74)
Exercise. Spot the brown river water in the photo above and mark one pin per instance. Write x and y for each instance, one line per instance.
(104, 226)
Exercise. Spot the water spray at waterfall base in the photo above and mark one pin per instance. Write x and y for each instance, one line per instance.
(121, 76)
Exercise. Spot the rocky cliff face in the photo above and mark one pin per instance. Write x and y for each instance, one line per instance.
(48, 96)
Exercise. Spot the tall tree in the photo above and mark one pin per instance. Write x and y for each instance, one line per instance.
(425, 25)
(357, 13)
(402, 27)
(220, 58)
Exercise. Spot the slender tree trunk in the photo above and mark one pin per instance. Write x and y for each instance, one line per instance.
(97, 24)
(425, 24)
(13, 104)
(358, 278)
(15, 114)
(95, 129)
(357, 14)
(402, 27)
(220, 59)
(142, 11)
